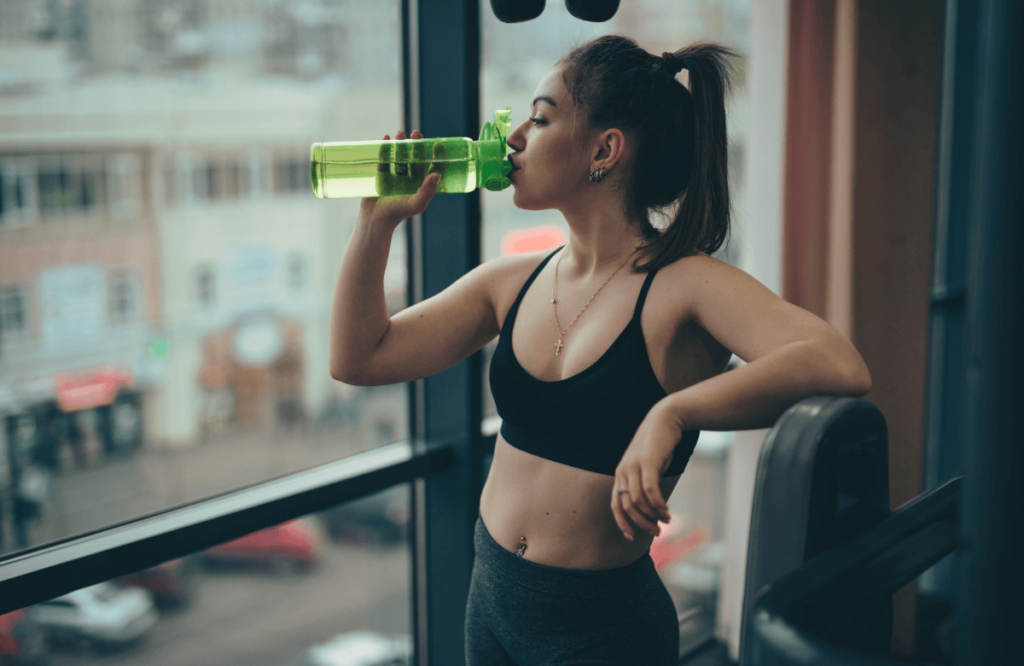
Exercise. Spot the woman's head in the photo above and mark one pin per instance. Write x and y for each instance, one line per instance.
(623, 108)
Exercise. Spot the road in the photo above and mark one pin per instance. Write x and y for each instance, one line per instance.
(107, 492)
(251, 617)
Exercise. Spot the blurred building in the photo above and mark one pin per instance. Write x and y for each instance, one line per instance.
(308, 38)
(155, 205)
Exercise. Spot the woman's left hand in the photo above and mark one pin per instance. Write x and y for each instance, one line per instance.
(645, 460)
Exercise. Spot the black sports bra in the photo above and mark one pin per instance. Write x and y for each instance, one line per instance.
(587, 420)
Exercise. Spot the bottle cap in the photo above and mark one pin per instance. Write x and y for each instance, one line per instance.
(493, 165)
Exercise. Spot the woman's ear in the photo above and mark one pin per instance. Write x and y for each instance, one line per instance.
(609, 147)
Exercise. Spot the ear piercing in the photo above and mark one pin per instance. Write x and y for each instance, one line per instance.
(597, 175)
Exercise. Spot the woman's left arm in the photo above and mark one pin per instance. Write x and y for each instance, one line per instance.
(790, 354)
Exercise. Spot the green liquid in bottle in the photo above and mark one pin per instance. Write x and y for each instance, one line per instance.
(386, 168)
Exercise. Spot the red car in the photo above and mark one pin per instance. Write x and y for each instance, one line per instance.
(289, 546)
(22, 640)
(170, 583)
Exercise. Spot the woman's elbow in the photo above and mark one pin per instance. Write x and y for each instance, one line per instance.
(860, 380)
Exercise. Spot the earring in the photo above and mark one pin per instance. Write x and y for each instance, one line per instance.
(596, 176)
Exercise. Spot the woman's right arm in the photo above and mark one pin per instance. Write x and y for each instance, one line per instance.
(370, 348)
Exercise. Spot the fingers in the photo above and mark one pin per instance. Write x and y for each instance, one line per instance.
(439, 157)
(423, 195)
(650, 487)
(620, 515)
(402, 153)
(636, 506)
(419, 160)
(384, 155)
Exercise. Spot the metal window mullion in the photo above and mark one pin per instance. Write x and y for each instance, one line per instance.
(442, 87)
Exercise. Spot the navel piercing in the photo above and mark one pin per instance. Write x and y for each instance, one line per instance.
(522, 549)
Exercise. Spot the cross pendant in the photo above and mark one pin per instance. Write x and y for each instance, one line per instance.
(558, 346)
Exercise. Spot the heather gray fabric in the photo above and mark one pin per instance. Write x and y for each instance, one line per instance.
(521, 613)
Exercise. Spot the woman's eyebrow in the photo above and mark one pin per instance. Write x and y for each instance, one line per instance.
(543, 98)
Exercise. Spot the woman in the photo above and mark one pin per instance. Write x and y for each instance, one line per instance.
(603, 377)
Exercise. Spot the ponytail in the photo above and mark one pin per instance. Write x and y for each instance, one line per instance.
(681, 145)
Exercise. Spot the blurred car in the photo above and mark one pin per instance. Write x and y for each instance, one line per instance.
(170, 583)
(22, 640)
(98, 614)
(673, 546)
(360, 648)
(382, 517)
(290, 546)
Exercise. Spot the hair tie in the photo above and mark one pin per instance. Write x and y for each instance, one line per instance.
(672, 64)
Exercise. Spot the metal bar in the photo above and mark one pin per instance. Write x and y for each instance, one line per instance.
(447, 80)
(50, 571)
(795, 616)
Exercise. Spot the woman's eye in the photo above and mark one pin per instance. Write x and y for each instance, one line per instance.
(538, 121)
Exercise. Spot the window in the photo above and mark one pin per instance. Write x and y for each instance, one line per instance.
(53, 183)
(205, 287)
(255, 174)
(509, 77)
(190, 184)
(291, 176)
(125, 185)
(124, 297)
(211, 106)
(13, 320)
(347, 570)
(19, 202)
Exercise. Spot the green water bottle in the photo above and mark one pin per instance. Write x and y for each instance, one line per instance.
(383, 168)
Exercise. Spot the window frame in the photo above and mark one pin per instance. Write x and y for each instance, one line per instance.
(52, 570)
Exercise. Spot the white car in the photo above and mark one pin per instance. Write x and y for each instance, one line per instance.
(360, 648)
(103, 613)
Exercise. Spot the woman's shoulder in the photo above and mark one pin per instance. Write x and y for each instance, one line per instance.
(511, 272)
(683, 266)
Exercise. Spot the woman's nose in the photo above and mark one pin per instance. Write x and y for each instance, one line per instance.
(517, 139)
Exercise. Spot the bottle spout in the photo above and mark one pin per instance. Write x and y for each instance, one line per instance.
(494, 166)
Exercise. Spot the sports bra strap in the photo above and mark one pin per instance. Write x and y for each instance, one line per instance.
(643, 294)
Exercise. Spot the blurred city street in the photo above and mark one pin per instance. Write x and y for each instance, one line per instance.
(250, 617)
(109, 491)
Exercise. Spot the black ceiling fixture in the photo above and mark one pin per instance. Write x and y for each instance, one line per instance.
(597, 11)
(517, 11)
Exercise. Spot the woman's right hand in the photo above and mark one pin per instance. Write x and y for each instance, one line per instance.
(391, 210)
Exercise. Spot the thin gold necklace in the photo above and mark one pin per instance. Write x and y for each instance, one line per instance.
(558, 345)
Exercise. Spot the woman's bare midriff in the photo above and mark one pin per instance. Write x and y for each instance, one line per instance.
(564, 512)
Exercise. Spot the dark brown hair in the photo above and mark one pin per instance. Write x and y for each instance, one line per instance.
(679, 136)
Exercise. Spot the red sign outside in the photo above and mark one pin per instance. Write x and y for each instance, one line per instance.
(91, 389)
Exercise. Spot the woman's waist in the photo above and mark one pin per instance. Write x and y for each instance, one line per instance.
(564, 513)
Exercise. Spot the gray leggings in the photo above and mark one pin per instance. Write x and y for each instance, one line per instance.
(521, 613)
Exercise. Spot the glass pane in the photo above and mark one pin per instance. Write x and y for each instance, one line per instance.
(306, 593)
(169, 142)
(515, 57)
